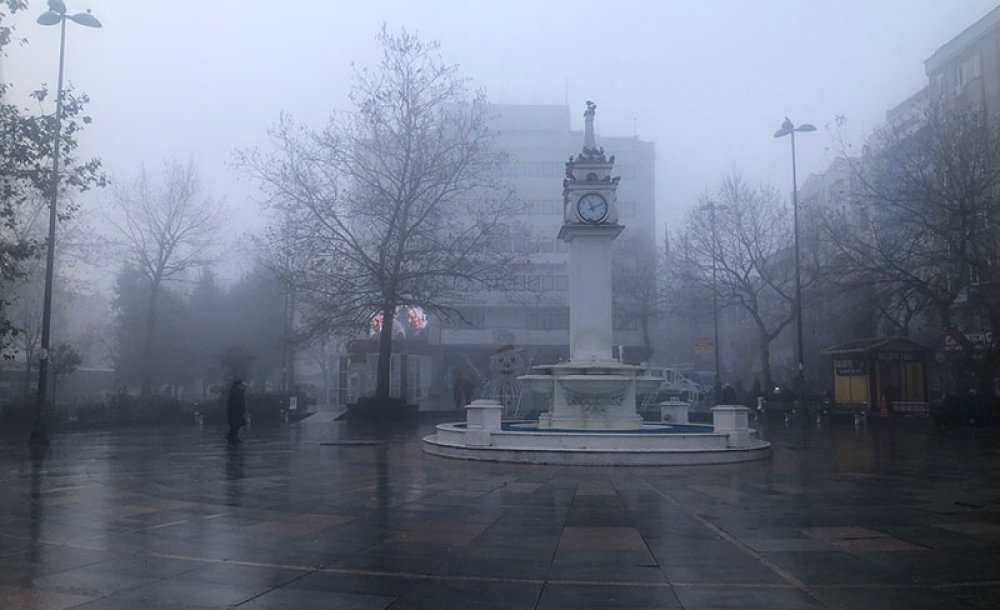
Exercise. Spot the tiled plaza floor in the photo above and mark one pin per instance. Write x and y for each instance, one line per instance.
(299, 518)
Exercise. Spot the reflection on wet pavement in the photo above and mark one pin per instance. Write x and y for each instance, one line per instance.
(332, 515)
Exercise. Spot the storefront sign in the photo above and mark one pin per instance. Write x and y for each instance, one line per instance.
(850, 367)
(979, 340)
(704, 346)
(898, 356)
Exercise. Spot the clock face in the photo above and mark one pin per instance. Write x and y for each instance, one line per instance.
(592, 208)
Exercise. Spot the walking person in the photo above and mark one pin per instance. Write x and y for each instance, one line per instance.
(729, 395)
(236, 410)
(459, 392)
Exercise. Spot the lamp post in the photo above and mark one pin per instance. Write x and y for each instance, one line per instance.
(56, 15)
(712, 208)
(788, 129)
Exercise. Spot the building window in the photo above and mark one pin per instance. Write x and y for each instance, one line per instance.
(548, 319)
(541, 207)
(626, 323)
(966, 72)
(939, 83)
(470, 319)
(540, 283)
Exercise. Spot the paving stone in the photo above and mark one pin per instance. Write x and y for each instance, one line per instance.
(470, 595)
(303, 599)
(884, 598)
(722, 597)
(598, 597)
(173, 519)
(16, 598)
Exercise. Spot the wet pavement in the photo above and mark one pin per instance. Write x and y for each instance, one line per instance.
(329, 515)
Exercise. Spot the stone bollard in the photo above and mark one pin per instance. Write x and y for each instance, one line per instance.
(674, 412)
(733, 420)
(482, 419)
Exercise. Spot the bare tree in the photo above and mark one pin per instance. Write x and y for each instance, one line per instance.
(752, 251)
(281, 251)
(640, 291)
(929, 231)
(398, 203)
(164, 231)
(65, 360)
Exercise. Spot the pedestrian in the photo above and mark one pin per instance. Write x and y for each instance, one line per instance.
(459, 391)
(236, 410)
(729, 395)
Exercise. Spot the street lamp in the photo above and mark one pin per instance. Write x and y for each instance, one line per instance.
(788, 129)
(56, 15)
(712, 208)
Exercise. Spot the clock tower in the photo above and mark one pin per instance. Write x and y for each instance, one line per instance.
(590, 224)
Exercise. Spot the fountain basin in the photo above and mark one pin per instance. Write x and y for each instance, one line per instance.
(596, 386)
(649, 445)
(543, 384)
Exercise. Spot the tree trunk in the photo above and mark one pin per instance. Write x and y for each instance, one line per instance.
(325, 367)
(646, 343)
(384, 351)
(28, 369)
(290, 339)
(147, 346)
(765, 363)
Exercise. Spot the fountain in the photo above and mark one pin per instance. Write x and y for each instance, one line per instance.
(593, 417)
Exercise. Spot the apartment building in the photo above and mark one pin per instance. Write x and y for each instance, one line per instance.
(966, 69)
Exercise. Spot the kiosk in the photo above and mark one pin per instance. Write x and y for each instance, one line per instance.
(884, 376)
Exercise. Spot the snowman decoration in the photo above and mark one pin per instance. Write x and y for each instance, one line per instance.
(506, 364)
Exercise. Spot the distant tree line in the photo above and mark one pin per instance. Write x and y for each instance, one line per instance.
(204, 336)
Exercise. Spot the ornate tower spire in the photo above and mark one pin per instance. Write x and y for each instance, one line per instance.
(589, 143)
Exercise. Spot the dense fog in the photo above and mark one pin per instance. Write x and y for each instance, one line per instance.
(183, 247)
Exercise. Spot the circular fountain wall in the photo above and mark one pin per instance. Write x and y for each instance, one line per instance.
(649, 445)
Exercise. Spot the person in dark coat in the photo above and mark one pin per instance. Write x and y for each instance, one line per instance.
(729, 395)
(459, 392)
(236, 410)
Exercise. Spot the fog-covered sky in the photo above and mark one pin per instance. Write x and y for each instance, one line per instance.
(708, 81)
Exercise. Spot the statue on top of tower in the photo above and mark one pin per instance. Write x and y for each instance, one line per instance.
(590, 152)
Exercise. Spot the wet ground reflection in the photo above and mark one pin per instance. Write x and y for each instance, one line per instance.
(893, 515)
(234, 474)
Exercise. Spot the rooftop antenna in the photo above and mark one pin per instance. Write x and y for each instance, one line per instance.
(635, 127)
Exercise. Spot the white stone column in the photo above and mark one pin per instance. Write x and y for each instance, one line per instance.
(590, 312)
(674, 412)
(734, 421)
(482, 419)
